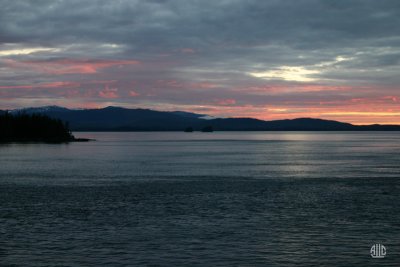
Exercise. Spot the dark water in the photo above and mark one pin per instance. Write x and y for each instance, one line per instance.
(202, 199)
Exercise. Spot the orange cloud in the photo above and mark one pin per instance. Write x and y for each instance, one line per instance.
(185, 85)
(367, 110)
(203, 85)
(69, 66)
(43, 85)
(133, 93)
(279, 89)
(226, 102)
(109, 93)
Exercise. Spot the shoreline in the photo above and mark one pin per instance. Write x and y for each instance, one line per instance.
(44, 141)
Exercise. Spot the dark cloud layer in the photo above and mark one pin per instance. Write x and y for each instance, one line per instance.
(178, 54)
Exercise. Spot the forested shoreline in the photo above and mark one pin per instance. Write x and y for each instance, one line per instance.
(33, 128)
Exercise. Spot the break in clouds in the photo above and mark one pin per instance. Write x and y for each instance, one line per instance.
(270, 59)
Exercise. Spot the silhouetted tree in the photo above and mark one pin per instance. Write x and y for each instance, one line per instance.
(189, 129)
(34, 127)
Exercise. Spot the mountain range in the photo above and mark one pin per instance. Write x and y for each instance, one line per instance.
(124, 119)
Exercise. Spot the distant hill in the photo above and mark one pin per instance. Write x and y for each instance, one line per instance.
(301, 124)
(44, 109)
(123, 119)
(188, 114)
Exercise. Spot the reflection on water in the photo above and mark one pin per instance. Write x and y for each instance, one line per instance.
(219, 199)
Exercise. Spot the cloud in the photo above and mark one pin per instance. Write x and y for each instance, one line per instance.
(25, 51)
(43, 85)
(69, 66)
(225, 102)
(133, 93)
(298, 74)
(266, 55)
(187, 50)
(109, 93)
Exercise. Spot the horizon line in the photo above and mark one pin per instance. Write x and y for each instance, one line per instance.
(213, 117)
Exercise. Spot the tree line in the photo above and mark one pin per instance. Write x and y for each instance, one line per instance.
(33, 128)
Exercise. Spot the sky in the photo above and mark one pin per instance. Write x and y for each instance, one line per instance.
(270, 59)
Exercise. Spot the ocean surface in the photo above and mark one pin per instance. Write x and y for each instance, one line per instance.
(202, 199)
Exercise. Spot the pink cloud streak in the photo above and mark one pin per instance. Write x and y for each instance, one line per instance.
(69, 66)
(43, 85)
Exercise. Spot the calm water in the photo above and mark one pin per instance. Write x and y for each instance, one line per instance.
(202, 199)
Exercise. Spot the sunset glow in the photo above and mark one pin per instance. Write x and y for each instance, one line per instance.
(287, 73)
(164, 56)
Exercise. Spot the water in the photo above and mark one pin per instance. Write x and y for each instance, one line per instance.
(202, 199)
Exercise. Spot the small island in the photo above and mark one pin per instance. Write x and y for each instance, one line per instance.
(207, 129)
(34, 128)
(189, 130)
